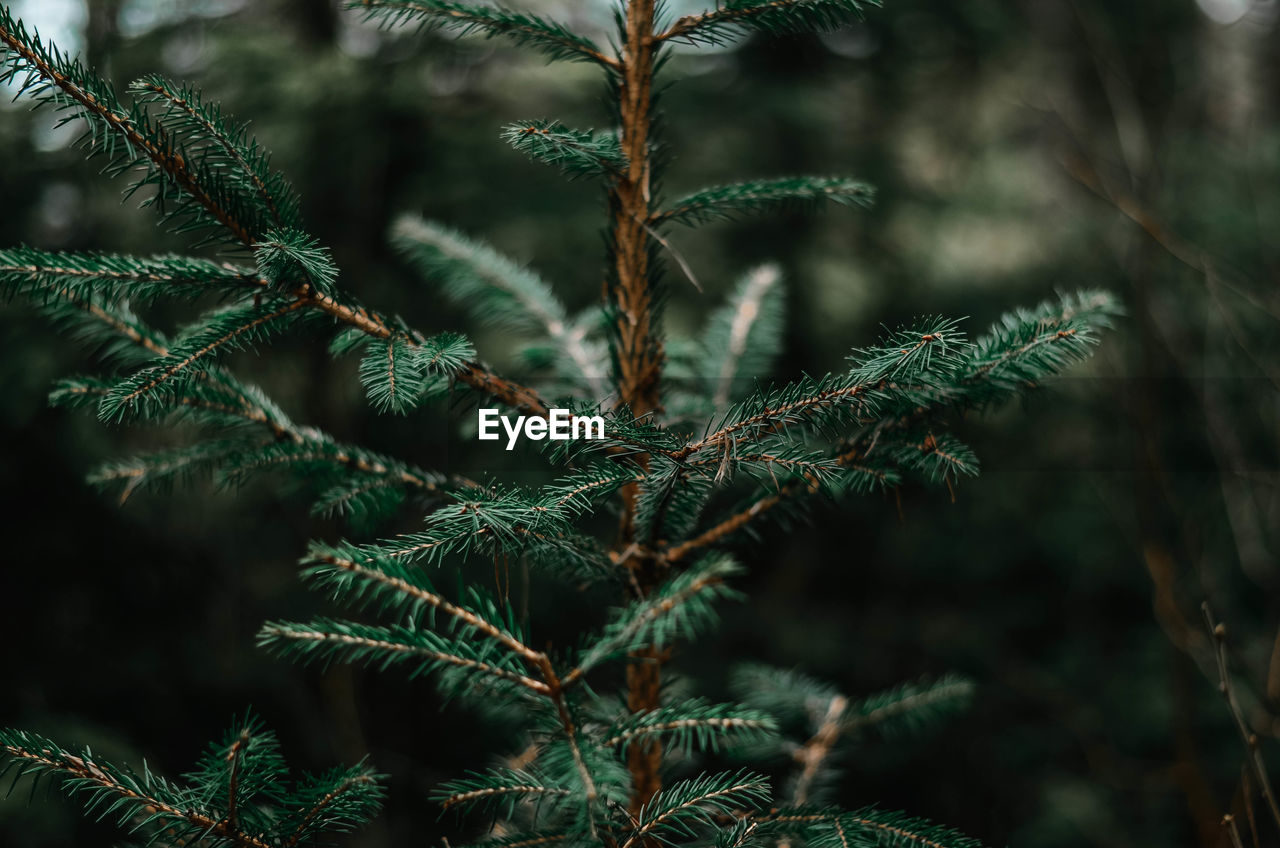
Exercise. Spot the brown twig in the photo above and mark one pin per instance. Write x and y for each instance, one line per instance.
(1250, 739)
(235, 756)
(812, 754)
(748, 310)
(1229, 825)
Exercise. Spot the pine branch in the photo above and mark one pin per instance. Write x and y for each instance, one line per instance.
(743, 337)
(941, 459)
(397, 375)
(726, 527)
(554, 39)
(828, 400)
(682, 606)
(126, 137)
(390, 585)
(326, 640)
(235, 756)
(43, 276)
(684, 805)
(114, 329)
(779, 827)
(930, 351)
(495, 787)
(914, 373)
(732, 201)
(673, 496)
(898, 830)
(329, 803)
(218, 398)
(1027, 345)
(570, 736)
(790, 696)
(577, 153)
(910, 707)
(858, 474)
(237, 794)
(188, 117)
(692, 723)
(237, 773)
(294, 261)
(505, 391)
(731, 18)
(227, 330)
(501, 521)
(130, 140)
(812, 755)
(497, 291)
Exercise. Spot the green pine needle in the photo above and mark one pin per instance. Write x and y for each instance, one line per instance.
(743, 338)
(681, 808)
(577, 153)
(194, 188)
(46, 276)
(680, 608)
(292, 259)
(909, 708)
(733, 201)
(555, 40)
(692, 724)
(398, 373)
(497, 291)
(238, 794)
(731, 19)
(148, 391)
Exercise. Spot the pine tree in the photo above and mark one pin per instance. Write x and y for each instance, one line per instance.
(690, 466)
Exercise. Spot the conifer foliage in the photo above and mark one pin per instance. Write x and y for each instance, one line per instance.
(689, 472)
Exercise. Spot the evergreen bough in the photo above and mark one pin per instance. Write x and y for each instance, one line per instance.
(597, 771)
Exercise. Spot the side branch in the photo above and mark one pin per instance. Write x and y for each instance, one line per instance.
(323, 804)
(195, 114)
(355, 642)
(808, 484)
(85, 772)
(168, 161)
(553, 38)
(177, 169)
(689, 24)
(773, 419)
(431, 599)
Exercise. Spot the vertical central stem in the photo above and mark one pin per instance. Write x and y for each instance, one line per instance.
(639, 348)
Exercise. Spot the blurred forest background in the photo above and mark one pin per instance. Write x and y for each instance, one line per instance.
(1018, 147)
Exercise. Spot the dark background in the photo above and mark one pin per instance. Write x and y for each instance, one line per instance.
(1018, 147)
